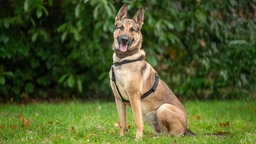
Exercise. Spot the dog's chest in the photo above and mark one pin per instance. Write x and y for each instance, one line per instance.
(124, 75)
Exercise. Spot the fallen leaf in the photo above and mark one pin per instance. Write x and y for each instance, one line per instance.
(116, 125)
(198, 117)
(37, 114)
(52, 123)
(47, 139)
(72, 129)
(2, 126)
(58, 136)
(224, 124)
(100, 128)
(24, 122)
(13, 127)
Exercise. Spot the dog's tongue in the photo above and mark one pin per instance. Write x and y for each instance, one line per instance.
(123, 48)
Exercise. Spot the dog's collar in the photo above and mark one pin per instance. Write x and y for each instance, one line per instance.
(128, 61)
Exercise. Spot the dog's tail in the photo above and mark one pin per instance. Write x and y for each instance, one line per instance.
(188, 132)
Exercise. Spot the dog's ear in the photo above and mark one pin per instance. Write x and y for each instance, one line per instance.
(122, 13)
(139, 17)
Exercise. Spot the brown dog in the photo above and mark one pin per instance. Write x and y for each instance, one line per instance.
(135, 83)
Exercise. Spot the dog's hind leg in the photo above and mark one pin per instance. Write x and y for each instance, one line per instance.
(152, 120)
(172, 120)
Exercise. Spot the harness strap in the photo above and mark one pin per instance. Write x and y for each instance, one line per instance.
(130, 61)
(152, 89)
(114, 80)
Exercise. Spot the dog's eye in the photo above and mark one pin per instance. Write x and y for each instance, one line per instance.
(132, 29)
(121, 27)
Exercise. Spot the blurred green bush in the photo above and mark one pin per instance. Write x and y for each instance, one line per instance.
(63, 48)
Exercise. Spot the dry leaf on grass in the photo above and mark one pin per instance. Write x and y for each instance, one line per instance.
(226, 124)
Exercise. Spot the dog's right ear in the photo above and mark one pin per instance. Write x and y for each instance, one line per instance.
(122, 13)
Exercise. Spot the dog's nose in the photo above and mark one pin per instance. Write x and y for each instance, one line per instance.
(124, 39)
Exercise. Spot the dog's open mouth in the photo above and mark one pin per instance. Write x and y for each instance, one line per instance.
(124, 42)
(123, 47)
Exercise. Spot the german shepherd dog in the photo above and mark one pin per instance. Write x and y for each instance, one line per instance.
(135, 83)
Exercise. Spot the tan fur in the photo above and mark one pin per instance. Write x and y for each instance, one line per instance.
(161, 109)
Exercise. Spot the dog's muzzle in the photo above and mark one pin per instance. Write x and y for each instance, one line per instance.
(124, 42)
(123, 39)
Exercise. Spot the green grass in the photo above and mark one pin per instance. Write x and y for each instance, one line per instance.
(94, 122)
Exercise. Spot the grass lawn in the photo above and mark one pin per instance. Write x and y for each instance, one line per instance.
(96, 122)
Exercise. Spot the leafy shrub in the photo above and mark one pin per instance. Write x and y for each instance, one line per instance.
(62, 48)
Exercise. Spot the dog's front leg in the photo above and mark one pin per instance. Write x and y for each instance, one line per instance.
(137, 115)
(121, 110)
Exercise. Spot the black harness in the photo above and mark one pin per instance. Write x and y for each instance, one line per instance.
(130, 61)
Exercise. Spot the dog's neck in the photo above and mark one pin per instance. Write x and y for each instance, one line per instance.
(139, 53)
(121, 54)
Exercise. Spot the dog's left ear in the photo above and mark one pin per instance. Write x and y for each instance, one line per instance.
(139, 17)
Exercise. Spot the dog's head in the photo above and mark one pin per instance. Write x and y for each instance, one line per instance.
(127, 35)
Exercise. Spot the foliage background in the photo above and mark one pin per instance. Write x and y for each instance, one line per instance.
(62, 48)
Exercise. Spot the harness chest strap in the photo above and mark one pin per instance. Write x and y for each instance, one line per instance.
(146, 93)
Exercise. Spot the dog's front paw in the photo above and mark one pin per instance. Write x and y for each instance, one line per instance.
(122, 131)
(138, 136)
